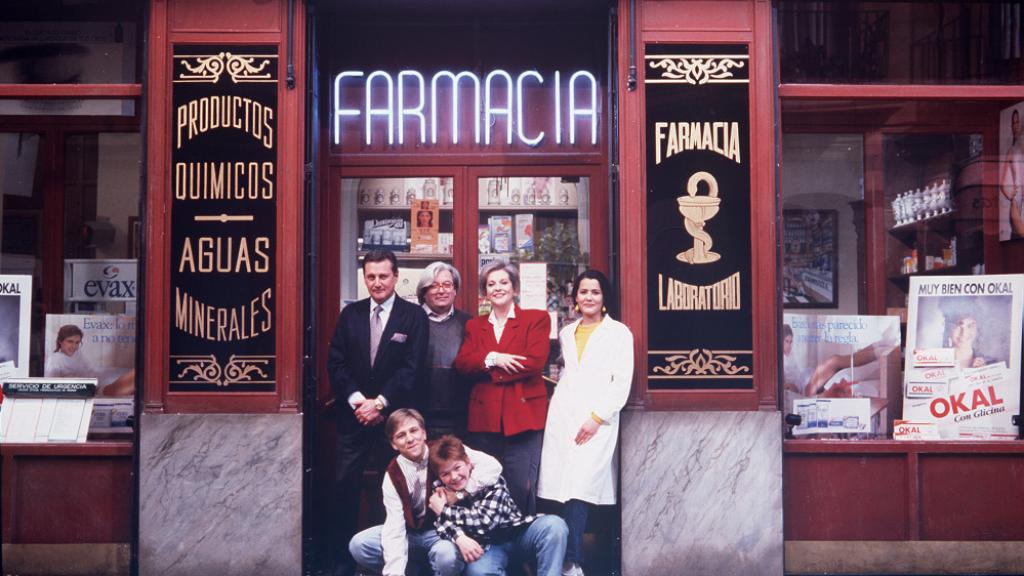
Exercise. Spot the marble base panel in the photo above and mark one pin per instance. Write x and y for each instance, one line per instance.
(701, 494)
(220, 494)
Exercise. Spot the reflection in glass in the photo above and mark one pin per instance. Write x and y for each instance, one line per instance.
(901, 42)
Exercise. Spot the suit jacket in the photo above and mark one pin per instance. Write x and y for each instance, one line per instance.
(400, 364)
(499, 401)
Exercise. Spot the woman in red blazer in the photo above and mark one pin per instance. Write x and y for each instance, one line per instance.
(503, 355)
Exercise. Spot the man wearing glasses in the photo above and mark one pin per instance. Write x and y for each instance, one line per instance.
(446, 397)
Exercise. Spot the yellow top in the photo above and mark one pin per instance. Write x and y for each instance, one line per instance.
(583, 332)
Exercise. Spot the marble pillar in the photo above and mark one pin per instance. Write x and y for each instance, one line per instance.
(701, 493)
(220, 494)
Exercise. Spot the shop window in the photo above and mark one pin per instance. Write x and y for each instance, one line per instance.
(878, 196)
(71, 232)
(839, 42)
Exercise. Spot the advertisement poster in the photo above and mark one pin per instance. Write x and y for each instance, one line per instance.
(100, 346)
(698, 216)
(100, 280)
(837, 357)
(15, 325)
(962, 369)
(1011, 173)
(222, 300)
(425, 218)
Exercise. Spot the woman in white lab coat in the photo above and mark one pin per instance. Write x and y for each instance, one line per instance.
(577, 462)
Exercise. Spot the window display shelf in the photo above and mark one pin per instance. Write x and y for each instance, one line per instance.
(909, 232)
(567, 209)
(416, 256)
(946, 271)
(402, 209)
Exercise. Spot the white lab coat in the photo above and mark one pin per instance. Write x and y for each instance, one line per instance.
(599, 382)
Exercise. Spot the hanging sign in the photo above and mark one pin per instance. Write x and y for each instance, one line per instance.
(700, 331)
(223, 218)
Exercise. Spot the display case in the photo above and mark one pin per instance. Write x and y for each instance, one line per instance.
(414, 217)
(933, 192)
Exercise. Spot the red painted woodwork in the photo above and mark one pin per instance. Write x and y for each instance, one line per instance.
(70, 91)
(898, 92)
(192, 21)
(705, 15)
(231, 16)
(67, 493)
(845, 497)
(888, 490)
(972, 497)
(702, 22)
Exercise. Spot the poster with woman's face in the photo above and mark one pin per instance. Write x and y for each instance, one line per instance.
(1011, 173)
(963, 357)
(975, 328)
(100, 346)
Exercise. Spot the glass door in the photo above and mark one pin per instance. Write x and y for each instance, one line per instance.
(541, 219)
(411, 213)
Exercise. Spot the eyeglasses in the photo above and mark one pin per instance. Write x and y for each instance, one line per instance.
(439, 285)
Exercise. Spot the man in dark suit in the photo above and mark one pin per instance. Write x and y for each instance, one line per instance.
(375, 363)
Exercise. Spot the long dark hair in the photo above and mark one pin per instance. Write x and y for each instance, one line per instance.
(607, 295)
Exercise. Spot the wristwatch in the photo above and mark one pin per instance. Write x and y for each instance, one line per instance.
(378, 404)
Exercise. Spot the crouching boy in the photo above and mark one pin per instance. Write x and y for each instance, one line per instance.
(487, 527)
(407, 539)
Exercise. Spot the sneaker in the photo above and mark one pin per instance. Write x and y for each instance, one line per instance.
(574, 570)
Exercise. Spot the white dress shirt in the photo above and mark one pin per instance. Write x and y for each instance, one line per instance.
(385, 313)
(486, 471)
(499, 325)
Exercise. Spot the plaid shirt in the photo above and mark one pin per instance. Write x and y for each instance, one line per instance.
(488, 516)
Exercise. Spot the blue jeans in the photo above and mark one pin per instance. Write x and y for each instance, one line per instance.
(575, 513)
(426, 548)
(543, 540)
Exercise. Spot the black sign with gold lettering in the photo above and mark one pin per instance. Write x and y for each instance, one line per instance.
(224, 189)
(699, 320)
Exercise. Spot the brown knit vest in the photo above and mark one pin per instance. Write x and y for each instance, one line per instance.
(398, 480)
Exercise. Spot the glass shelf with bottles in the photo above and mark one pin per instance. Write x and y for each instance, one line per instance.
(412, 217)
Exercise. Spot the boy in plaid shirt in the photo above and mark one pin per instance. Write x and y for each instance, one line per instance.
(487, 527)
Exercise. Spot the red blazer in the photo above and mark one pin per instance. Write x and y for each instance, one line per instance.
(499, 401)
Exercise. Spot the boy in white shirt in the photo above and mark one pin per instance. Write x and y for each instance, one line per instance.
(408, 535)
